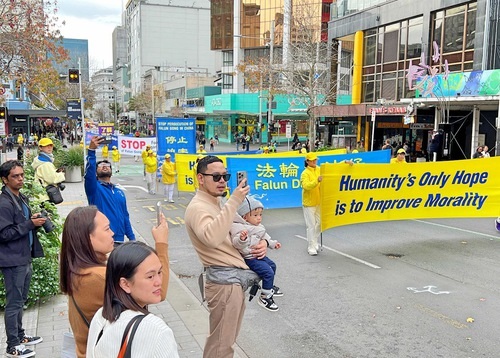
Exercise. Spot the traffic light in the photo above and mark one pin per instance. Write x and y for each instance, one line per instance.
(3, 113)
(74, 76)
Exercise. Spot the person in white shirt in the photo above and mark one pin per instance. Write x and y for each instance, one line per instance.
(486, 153)
(133, 281)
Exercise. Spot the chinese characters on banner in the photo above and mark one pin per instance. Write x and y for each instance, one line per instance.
(175, 135)
(274, 179)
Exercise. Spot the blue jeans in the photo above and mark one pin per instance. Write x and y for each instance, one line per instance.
(265, 268)
(17, 282)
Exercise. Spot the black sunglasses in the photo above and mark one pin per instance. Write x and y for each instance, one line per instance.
(217, 176)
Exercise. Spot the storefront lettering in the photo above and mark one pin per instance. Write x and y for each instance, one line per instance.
(388, 110)
(216, 102)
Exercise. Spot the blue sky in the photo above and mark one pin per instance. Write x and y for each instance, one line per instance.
(93, 20)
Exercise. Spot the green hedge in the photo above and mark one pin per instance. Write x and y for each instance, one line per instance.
(45, 279)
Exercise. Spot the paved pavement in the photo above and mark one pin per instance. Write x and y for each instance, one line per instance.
(182, 311)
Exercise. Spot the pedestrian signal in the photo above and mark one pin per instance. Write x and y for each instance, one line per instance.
(3, 113)
(74, 76)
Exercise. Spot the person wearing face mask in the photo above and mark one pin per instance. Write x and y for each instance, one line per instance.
(45, 171)
(108, 198)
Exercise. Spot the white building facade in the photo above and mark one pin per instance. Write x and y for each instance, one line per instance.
(167, 35)
(102, 83)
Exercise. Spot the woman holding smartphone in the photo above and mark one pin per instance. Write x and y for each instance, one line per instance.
(86, 241)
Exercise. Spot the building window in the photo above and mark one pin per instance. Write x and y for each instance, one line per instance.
(221, 23)
(227, 81)
(388, 50)
(454, 31)
(227, 58)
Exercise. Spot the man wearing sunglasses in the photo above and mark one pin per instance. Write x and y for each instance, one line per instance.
(208, 222)
(109, 199)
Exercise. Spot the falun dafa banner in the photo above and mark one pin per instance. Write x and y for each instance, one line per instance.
(273, 179)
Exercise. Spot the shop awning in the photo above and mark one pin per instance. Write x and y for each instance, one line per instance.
(37, 112)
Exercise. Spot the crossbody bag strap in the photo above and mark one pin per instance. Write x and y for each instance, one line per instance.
(80, 312)
(126, 346)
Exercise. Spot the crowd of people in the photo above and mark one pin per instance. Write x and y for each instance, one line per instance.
(110, 282)
(114, 286)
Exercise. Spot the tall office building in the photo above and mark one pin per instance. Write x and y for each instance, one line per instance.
(121, 82)
(167, 35)
(242, 29)
(77, 49)
(419, 67)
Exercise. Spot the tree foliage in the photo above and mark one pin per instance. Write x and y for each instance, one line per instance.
(141, 103)
(45, 278)
(29, 45)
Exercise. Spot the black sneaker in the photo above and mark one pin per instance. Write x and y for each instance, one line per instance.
(30, 340)
(277, 292)
(19, 352)
(268, 303)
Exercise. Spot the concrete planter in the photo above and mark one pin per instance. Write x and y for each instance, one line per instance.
(73, 174)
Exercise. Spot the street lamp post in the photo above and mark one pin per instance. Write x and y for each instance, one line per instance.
(271, 59)
(82, 102)
(269, 98)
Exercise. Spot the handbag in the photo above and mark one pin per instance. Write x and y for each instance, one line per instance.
(126, 345)
(54, 194)
(68, 343)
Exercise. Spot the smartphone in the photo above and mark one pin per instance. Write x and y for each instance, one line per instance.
(158, 213)
(240, 176)
(105, 139)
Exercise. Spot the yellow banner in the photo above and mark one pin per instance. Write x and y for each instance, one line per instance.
(378, 192)
(184, 164)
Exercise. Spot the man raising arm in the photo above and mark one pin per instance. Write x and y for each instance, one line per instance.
(208, 223)
(109, 199)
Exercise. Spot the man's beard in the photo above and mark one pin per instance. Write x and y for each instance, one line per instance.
(104, 174)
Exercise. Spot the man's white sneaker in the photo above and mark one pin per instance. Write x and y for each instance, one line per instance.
(19, 351)
(312, 252)
(31, 340)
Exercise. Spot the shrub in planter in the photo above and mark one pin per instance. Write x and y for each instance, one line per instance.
(73, 157)
(45, 279)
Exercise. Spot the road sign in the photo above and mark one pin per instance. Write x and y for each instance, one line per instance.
(2, 127)
(289, 130)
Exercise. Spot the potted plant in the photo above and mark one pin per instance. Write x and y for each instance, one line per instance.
(72, 161)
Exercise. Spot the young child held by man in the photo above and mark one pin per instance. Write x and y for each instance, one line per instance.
(247, 231)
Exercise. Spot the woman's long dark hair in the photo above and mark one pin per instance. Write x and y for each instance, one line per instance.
(123, 263)
(77, 252)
